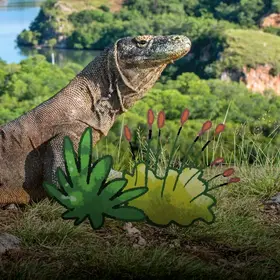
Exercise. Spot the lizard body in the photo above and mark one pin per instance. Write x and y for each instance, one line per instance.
(31, 146)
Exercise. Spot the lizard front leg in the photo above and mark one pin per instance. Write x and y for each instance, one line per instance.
(54, 157)
(21, 178)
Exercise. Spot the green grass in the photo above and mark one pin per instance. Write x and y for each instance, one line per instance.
(78, 5)
(251, 48)
(243, 243)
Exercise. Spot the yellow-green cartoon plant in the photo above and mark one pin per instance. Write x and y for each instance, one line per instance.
(180, 196)
(84, 189)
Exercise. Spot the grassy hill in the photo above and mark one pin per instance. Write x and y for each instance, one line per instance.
(246, 47)
(77, 5)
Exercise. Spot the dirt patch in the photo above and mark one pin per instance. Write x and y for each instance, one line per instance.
(271, 20)
(77, 5)
(116, 5)
(8, 218)
(260, 79)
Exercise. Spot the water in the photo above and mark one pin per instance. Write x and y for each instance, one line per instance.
(16, 15)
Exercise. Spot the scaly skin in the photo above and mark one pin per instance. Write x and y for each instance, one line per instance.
(31, 146)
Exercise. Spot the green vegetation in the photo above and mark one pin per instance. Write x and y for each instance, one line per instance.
(27, 84)
(209, 24)
(85, 190)
(241, 244)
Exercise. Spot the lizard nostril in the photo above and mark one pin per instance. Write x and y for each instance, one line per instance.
(176, 38)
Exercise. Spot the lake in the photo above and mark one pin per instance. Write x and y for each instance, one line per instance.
(16, 15)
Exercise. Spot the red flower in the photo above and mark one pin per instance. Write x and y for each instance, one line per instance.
(217, 161)
(220, 128)
(184, 116)
(161, 119)
(234, 180)
(127, 133)
(150, 117)
(206, 126)
(228, 172)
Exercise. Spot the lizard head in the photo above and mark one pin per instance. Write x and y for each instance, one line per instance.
(140, 61)
(152, 51)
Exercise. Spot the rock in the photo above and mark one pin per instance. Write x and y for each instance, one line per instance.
(260, 78)
(271, 20)
(8, 242)
(135, 235)
(130, 229)
(232, 75)
(63, 7)
(274, 200)
(11, 207)
(142, 241)
(115, 174)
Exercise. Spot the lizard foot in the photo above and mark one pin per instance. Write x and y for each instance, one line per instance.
(13, 197)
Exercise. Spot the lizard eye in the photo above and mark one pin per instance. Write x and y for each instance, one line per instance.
(141, 43)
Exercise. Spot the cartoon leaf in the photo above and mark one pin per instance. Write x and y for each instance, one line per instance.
(70, 157)
(184, 199)
(97, 221)
(114, 187)
(63, 181)
(128, 214)
(129, 195)
(85, 151)
(99, 174)
(53, 191)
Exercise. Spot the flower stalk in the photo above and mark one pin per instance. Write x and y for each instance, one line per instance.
(150, 120)
(127, 134)
(184, 117)
(160, 124)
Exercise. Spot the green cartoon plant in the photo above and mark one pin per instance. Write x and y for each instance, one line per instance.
(181, 195)
(84, 191)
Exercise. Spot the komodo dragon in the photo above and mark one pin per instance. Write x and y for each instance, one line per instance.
(31, 146)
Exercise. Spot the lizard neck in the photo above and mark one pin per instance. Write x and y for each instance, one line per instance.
(104, 83)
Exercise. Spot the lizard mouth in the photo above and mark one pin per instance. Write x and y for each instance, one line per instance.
(179, 54)
(173, 57)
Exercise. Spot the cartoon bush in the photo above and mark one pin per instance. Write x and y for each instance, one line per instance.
(84, 191)
(184, 198)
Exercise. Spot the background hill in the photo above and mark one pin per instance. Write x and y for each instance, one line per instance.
(227, 35)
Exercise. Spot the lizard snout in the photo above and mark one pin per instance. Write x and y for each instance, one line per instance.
(181, 39)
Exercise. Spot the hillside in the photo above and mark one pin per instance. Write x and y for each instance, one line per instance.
(250, 48)
(77, 5)
(251, 56)
(52, 26)
(206, 99)
(226, 43)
